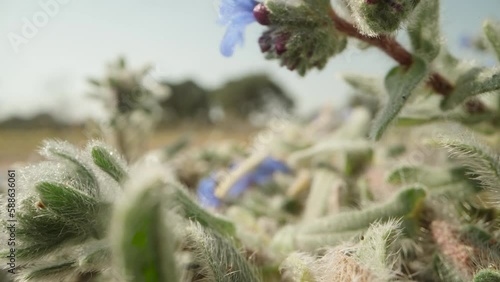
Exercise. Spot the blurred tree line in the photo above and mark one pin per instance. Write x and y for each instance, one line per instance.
(187, 101)
(237, 99)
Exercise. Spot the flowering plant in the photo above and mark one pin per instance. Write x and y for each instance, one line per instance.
(328, 204)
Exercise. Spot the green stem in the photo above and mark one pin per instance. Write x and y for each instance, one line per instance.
(396, 51)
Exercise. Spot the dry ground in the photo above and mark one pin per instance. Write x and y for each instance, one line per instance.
(20, 145)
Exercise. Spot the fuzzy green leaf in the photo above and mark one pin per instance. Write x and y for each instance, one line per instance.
(376, 17)
(482, 240)
(297, 268)
(324, 195)
(108, 163)
(440, 181)
(474, 82)
(83, 179)
(70, 204)
(54, 272)
(311, 242)
(377, 250)
(429, 176)
(191, 210)
(492, 32)
(423, 30)
(324, 150)
(487, 275)
(95, 258)
(347, 226)
(143, 245)
(481, 160)
(405, 203)
(41, 231)
(218, 257)
(400, 83)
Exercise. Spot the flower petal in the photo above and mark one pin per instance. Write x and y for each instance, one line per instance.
(230, 9)
(232, 37)
(206, 193)
(236, 14)
(274, 165)
(241, 185)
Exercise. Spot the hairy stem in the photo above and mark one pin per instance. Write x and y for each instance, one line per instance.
(392, 48)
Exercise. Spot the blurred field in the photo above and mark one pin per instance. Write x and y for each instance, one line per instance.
(21, 145)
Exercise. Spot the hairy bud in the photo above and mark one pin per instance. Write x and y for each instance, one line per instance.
(375, 17)
(261, 14)
(301, 36)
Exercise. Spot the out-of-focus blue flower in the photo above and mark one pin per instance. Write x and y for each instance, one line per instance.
(261, 175)
(206, 192)
(466, 41)
(236, 14)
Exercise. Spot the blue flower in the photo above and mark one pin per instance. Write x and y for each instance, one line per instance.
(466, 41)
(261, 175)
(236, 14)
(206, 192)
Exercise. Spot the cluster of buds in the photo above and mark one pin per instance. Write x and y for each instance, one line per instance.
(301, 33)
(300, 41)
(375, 17)
(274, 42)
(270, 41)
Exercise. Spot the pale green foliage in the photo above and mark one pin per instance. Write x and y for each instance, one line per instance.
(429, 176)
(374, 257)
(191, 210)
(66, 221)
(403, 204)
(89, 261)
(143, 240)
(400, 84)
(492, 32)
(445, 181)
(378, 250)
(423, 30)
(333, 229)
(488, 248)
(217, 257)
(64, 216)
(325, 195)
(131, 98)
(63, 270)
(297, 267)
(474, 82)
(484, 164)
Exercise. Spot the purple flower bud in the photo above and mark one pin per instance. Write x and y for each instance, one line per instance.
(261, 14)
(280, 46)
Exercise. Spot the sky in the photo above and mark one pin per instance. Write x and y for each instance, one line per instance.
(180, 39)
